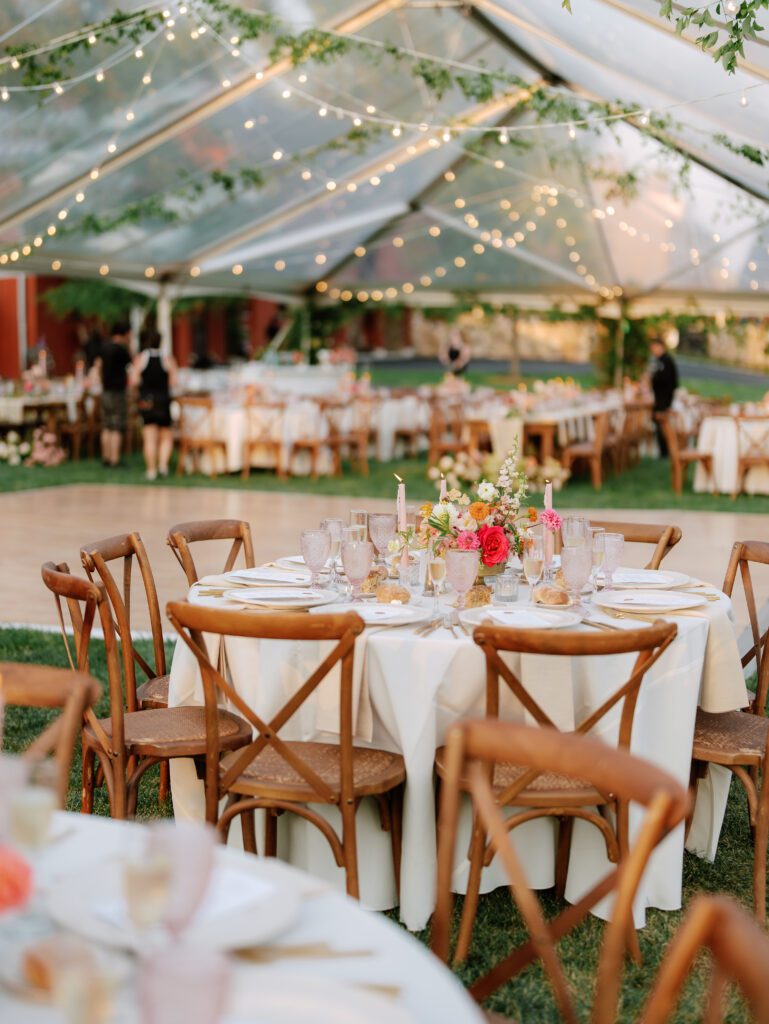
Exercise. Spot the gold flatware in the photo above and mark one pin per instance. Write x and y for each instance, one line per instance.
(430, 628)
(390, 991)
(601, 625)
(464, 628)
(302, 951)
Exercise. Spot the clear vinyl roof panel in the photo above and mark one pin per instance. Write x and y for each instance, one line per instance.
(209, 162)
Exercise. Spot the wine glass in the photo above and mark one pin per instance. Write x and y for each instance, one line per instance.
(31, 806)
(334, 529)
(613, 545)
(147, 888)
(597, 546)
(461, 571)
(436, 568)
(357, 556)
(189, 847)
(316, 547)
(533, 558)
(382, 527)
(183, 983)
(359, 518)
(576, 563)
(574, 530)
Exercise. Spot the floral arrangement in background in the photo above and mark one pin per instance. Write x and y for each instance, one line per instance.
(490, 521)
(465, 471)
(538, 474)
(14, 449)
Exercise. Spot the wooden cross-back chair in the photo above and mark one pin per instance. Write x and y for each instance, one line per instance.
(752, 447)
(739, 950)
(128, 742)
(664, 538)
(739, 740)
(198, 435)
(183, 535)
(276, 774)
(680, 453)
(447, 426)
(474, 752)
(548, 795)
(73, 693)
(349, 429)
(263, 433)
(590, 452)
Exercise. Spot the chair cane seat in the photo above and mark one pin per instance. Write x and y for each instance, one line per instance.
(731, 737)
(173, 732)
(153, 693)
(269, 775)
(546, 788)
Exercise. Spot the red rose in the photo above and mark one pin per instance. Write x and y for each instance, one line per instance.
(495, 547)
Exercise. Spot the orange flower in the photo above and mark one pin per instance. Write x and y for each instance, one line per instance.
(479, 510)
(532, 514)
(426, 510)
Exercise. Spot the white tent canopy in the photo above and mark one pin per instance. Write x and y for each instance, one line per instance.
(417, 214)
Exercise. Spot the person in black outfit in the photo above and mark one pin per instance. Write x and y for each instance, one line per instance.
(154, 375)
(455, 354)
(112, 364)
(663, 375)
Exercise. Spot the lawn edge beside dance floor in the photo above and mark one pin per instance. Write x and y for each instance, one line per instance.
(527, 999)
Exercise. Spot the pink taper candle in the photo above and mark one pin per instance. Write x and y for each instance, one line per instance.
(443, 488)
(400, 507)
(549, 538)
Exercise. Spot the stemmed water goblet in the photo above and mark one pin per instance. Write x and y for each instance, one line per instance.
(461, 571)
(613, 545)
(382, 527)
(316, 547)
(576, 563)
(574, 530)
(597, 546)
(357, 557)
(334, 529)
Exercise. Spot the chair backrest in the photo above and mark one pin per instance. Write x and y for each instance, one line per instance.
(39, 686)
(472, 750)
(739, 948)
(263, 420)
(181, 536)
(647, 643)
(752, 436)
(745, 552)
(664, 538)
(196, 418)
(85, 601)
(447, 418)
(192, 621)
(128, 548)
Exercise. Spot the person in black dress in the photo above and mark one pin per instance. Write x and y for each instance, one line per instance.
(154, 374)
(455, 354)
(663, 376)
(112, 365)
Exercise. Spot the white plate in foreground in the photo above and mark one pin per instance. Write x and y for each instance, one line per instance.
(656, 579)
(521, 617)
(294, 998)
(239, 909)
(268, 575)
(381, 614)
(269, 597)
(648, 600)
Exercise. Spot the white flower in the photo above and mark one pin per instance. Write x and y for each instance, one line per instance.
(25, 448)
(12, 437)
(14, 460)
(487, 491)
(433, 473)
(394, 546)
(3, 450)
(446, 463)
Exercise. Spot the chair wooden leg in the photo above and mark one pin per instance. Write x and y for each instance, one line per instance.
(350, 848)
(270, 833)
(759, 859)
(470, 905)
(565, 830)
(595, 472)
(245, 472)
(248, 828)
(164, 787)
(182, 459)
(86, 804)
(396, 833)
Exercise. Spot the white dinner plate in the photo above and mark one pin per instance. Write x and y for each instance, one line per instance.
(271, 597)
(239, 909)
(266, 574)
(648, 600)
(521, 617)
(655, 579)
(283, 998)
(381, 614)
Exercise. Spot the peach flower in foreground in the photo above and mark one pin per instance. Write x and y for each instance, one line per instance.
(15, 880)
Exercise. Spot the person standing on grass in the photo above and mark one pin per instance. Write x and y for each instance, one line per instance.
(154, 375)
(663, 377)
(112, 364)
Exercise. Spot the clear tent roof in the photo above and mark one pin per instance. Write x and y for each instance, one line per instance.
(142, 148)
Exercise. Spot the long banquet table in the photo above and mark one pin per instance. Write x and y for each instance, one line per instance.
(718, 435)
(389, 964)
(410, 689)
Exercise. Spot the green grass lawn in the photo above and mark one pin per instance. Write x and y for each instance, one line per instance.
(526, 999)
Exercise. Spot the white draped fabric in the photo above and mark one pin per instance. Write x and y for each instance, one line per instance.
(409, 690)
(726, 438)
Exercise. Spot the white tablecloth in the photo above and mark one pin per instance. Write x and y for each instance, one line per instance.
(719, 437)
(428, 992)
(416, 687)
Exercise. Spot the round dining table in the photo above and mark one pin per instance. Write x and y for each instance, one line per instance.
(331, 956)
(409, 689)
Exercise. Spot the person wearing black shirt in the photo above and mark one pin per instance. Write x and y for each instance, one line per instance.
(112, 363)
(154, 374)
(663, 375)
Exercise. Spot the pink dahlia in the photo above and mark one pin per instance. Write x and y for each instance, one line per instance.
(551, 520)
(468, 541)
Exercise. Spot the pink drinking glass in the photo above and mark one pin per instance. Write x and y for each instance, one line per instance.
(382, 529)
(357, 556)
(577, 564)
(189, 847)
(316, 547)
(183, 983)
(613, 544)
(461, 571)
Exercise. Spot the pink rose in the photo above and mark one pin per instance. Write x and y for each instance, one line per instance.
(15, 880)
(468, 541)
(551, 520)
(495, 547)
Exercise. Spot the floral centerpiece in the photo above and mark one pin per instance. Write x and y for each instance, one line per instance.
(492, 521)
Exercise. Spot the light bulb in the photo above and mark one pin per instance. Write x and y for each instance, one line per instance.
(4, 95)
(572, 132)
(743, 100)
(15, 64)
(504, 138)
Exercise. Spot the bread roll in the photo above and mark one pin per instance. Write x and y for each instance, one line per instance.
(392, 593)
(478, 596)
(551, 596)
(42, 961)
(377, 575)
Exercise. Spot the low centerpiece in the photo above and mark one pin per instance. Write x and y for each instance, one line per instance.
(491, 521)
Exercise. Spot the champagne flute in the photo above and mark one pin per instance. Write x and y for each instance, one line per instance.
(316, 545)
(357, 556)
(147, 889)
(359, 518)
(334, 529)
(31, 807)
(533, 559)
(436, 567)
(613, 545)
(189, 846)
(597, 547)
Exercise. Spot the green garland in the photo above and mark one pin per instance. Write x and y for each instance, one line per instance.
(725, 41)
